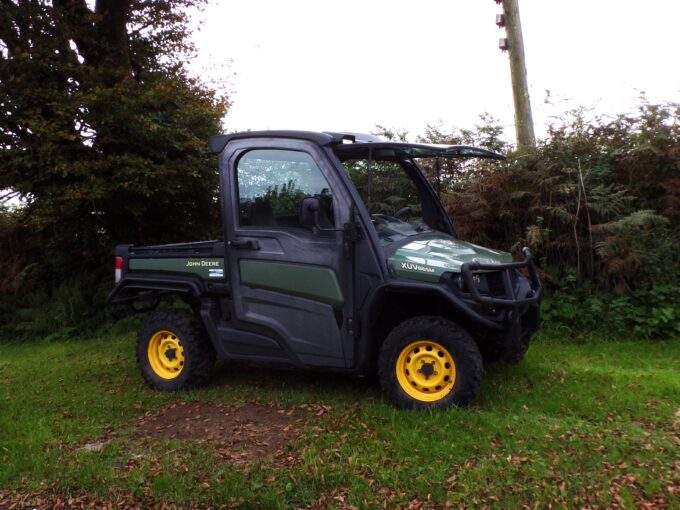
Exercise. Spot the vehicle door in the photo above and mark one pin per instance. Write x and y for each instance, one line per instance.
(290, 283)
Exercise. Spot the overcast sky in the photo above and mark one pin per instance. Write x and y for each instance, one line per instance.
(347, 65)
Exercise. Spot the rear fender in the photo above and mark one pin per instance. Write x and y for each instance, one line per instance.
(132, 288)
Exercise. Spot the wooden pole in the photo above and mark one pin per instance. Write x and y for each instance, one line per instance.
(524, 123)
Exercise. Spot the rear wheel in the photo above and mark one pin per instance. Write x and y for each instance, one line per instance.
(173, 352)
(429, 363)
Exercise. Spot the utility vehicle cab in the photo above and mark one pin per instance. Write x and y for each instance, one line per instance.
(337, 255)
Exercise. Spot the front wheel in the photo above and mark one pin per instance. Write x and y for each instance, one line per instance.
(429, 363)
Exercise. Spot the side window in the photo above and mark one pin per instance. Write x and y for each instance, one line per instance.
(271, 184)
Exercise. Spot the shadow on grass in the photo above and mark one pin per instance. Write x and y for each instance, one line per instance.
(296, 386)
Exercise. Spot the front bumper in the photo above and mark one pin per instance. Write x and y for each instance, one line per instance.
(499, 296)
(513, 291)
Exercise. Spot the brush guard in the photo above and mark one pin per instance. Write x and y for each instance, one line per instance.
(511, 299)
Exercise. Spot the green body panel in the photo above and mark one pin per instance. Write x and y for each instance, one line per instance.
(209, 268)
(427, 258)
(314, 282)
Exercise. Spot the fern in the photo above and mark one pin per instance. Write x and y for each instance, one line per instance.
(645, 219)
(609, 201)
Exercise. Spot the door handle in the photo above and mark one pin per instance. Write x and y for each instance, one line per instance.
(244, 244)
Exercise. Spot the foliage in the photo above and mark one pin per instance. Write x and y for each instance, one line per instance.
(103, 132)
(596, 198)
(576, 311)
(63, 311)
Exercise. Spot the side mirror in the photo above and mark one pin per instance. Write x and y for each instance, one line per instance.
(309, 212)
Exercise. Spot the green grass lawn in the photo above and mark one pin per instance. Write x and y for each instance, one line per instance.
(589, 425)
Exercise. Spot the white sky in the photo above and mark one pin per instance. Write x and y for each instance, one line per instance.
(348, 65)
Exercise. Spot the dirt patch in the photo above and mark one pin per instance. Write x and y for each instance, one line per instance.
(238, 434)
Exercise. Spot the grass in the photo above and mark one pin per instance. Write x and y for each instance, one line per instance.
(593, 424)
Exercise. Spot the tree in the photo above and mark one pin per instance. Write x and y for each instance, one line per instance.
(102, 130)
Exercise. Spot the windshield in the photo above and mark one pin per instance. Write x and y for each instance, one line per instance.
(398, 206)
(401, 202)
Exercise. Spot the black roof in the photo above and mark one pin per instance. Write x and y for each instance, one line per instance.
(218, 142)
(359, 145)
(382, 150)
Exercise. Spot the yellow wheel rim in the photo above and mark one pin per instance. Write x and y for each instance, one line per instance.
(426, 371)
(166, 354)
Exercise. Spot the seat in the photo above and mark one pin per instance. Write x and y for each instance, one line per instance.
(261, 213)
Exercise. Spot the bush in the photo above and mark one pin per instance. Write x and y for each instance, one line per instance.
(597, 201)
(649, 314)
(75, 307)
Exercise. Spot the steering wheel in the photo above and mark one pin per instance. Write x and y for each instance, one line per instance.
(403, 214)
(381, 219)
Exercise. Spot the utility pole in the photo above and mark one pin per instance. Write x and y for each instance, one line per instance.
(514, 45)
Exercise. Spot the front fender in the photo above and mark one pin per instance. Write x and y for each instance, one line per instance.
(378, 299)
(416, 288)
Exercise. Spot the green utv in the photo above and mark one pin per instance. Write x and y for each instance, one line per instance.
(336, 255)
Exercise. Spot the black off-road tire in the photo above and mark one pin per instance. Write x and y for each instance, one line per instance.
(493, 353)
(195, 347)
(459, 346)
(515, 354)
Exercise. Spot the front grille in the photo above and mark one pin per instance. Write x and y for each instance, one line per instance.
(494, 282)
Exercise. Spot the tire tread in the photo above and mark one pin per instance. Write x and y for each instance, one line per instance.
(438, 328)
(200, 355)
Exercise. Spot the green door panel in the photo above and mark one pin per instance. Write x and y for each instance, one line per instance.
(210, 268)
(314, 282)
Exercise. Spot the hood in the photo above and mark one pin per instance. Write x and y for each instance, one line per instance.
(429, 256)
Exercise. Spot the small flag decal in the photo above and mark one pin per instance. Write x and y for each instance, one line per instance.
(216, 273)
